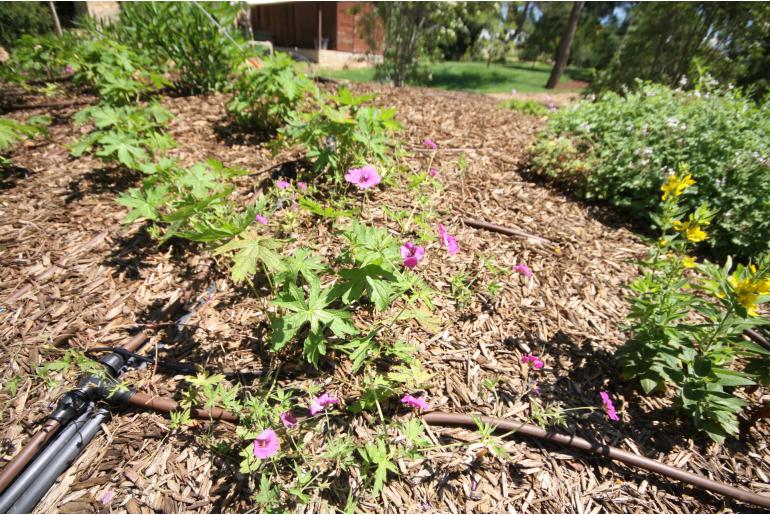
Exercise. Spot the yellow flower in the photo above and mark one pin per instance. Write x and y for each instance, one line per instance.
(676, 185)
(662, 242)
(691, 229)
(688, 262)
(746, 293)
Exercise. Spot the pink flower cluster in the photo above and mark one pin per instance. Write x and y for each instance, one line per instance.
(609, 407)
(283, 184)
(364, 178)
(533, 360)
(429, 143)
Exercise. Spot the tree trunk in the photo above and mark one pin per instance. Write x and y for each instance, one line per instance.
(564, 46)
(521, 21)
(56, 24)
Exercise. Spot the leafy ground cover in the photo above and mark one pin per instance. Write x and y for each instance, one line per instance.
(486, 319)
(474, 76)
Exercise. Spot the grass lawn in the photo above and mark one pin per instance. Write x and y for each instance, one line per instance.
(471, 76)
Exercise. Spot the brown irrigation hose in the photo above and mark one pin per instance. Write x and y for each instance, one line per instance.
(757, 338)
(514, 232)
(606, 451)
(35, 444)
(142, 400)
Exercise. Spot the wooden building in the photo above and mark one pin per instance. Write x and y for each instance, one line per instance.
(325, 32)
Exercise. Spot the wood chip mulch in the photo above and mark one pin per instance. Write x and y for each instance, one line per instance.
(90, 281)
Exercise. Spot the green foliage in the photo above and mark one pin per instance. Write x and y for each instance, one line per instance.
(116, 72)
(344, 134)
(129, 135)
(687, 323)
(268, 96)
(525, 106)
(619, 148)
(181, 33)
(23, 18)
(12, 131)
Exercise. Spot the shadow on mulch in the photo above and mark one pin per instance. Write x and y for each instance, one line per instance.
(653, 431)
(600, 211)
(10, 175)
(233, 133)
(114, 180)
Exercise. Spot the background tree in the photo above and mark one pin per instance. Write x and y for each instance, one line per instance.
(562, 56)
(412, 34)
(666, 42)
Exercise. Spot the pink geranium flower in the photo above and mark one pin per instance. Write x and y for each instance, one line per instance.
(302, 186)
(609, 407)
(319, 403)
(447, 240)
(415, 402)
(412, 254)
(523, 270)
(430, 144)
(534, 360)
(68, 69)
(289, 420)
(266, 444)
(282, 184)
(261, 219)
(364, 177)
(433, 172)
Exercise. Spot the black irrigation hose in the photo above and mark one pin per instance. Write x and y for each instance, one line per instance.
(603, 450)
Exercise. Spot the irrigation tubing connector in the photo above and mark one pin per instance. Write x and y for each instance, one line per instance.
(440, 418)
(73, 404)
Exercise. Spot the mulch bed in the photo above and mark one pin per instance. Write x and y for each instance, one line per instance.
(93, 281)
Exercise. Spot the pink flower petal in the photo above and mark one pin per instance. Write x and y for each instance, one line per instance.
(523, 270)
(609, 407)
(433, 172)
(448, 241)
(261, 219)
(411, 254)
(266, 444)
(289, 420)
(415, 402)
(319, 403)
(302, 186)
(430, 144)
(282, 184)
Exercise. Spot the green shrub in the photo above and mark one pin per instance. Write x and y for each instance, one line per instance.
(19, 18)
(621, 148)
(182, 34)
(525, 106)
(267, 97)
(40, 57)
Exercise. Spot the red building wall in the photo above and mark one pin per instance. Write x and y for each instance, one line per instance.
(295, 24)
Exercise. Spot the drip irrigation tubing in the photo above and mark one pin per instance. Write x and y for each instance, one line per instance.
(439, 418)
(73, 403)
